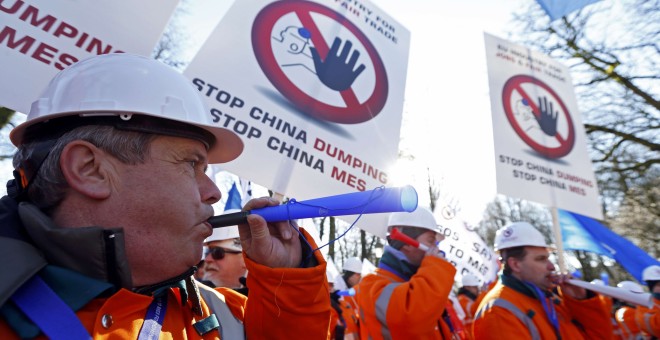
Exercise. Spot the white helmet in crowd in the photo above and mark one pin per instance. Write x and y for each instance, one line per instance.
(631, 286)
(469, 280)
(651, 273)
(126, 86)
(519, 234)
(420, 218)
(353, 264)
(226, 233)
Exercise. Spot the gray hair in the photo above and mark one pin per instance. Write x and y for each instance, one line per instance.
(48, 186)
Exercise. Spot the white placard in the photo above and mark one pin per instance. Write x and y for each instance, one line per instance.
(540, 143)
(309, 130)
(468, 252)
(38, 38)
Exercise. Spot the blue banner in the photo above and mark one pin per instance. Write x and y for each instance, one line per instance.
(233, 198)
(559, 8)
(584, 233)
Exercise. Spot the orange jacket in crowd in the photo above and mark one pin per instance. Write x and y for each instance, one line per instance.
(495, 319)
(350, 311)
(288, 303)
(336, 321)
(470, 307)
(625, 317)
(608, 305)
(648, 319)
(392, 307)
(455, 324)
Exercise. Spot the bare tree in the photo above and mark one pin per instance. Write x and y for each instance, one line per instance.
(613, 53)
(174, 40)
(6, 148)
(504, 210)
(638, 216)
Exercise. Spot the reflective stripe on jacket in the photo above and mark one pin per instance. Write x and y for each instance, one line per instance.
(391, 308)
(496, 322)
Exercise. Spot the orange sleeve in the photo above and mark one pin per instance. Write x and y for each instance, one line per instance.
(591, 314)
(285, 303)
(426, 293)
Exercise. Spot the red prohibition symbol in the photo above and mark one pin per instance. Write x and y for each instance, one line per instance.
(564, 141)
(353, 111)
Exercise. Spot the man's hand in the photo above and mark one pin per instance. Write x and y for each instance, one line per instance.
(575, 292)
(275, 245)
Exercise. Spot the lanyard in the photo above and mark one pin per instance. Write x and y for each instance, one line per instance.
(47, 310)
(549, 308)
(153, 321)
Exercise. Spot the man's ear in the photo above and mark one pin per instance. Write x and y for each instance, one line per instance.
(84, 167)
(514, 264)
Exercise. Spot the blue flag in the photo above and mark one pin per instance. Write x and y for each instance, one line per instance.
(559, 8)
(233, 199)
(584, 233)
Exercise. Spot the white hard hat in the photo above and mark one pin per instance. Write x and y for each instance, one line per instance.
(651, 273)
(598, 282)
(353, 264)
(519, 234)
(225, 233)
(631, 286)
(125, 86)
(470, 280)
(420, 218)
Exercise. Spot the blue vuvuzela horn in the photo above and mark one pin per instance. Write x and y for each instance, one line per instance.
(379, 200)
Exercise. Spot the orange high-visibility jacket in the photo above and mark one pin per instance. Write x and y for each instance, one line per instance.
(470, 307)
(648, 319)
(283, 304)
(351, 312)
(498, 321)
(466, 303)
(391, 308)
(625, 317)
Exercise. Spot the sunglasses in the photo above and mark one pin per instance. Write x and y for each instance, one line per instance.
(218, 253)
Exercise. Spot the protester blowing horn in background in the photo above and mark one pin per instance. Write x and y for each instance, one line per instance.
(379, 200)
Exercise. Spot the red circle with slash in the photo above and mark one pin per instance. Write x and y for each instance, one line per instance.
(354, 112)
(515, 84)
